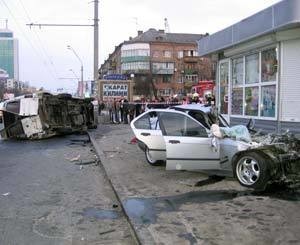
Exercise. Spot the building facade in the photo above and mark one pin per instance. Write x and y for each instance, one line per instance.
(166, 63)
(9, 54)
(258, 72)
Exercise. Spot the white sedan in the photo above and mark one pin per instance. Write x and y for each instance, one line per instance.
(186, 144)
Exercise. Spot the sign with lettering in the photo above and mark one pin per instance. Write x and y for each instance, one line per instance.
(115, 90)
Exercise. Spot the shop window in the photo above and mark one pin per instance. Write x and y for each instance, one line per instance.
(237, 101)
(252, 69)
(238, 71)
(251, 101)
(250, 95)
(224, 87)
(268, 65)
(268, 101)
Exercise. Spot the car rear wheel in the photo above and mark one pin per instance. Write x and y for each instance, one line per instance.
(251, 170)
(150, 159)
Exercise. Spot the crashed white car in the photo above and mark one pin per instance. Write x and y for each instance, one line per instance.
(186, 144)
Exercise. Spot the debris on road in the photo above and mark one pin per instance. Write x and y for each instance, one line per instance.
(106, 232)
(75, 158)
(6, 194)
(87, 162)
(133, 140)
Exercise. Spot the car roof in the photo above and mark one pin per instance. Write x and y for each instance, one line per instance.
(189, 107)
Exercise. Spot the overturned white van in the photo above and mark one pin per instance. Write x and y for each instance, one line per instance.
(43, 115)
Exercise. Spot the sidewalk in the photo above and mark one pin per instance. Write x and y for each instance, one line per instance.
(165, 207)
(138, 184)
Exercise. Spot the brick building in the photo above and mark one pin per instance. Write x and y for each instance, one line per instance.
(160, 64)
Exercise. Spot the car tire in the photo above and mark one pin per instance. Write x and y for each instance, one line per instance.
(149, 158)
(251, 170)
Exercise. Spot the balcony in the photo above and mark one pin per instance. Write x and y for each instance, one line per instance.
(134, 59)
(191, 59)
(163, 71)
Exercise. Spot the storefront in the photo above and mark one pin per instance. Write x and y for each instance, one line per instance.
(258, 73)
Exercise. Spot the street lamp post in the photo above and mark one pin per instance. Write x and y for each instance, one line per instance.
(81, 69)
(78, 82)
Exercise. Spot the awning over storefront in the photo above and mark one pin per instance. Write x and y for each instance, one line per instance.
(281, 16)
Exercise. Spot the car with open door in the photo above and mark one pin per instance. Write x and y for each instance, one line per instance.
(149, 135)
(186, 144)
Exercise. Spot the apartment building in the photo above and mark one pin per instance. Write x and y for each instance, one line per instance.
(159, 63)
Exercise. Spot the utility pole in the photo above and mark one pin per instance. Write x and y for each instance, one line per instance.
(96, 40)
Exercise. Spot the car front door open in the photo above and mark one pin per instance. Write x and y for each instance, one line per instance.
(187, 143)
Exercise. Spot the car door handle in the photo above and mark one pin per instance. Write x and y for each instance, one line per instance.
(145, 134)
(174, 141)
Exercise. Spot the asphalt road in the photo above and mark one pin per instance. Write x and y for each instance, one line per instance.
(166, 207)
(45, 198)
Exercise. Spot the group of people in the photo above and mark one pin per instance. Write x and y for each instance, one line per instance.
(123, 111)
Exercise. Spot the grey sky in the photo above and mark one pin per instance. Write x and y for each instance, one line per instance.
(43, 53)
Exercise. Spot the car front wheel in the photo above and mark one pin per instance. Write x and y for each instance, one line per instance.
(251, 170)
(150, 159)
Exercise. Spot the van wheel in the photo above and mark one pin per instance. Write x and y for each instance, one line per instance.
(251, 170)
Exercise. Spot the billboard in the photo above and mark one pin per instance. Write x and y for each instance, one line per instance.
(115, 90)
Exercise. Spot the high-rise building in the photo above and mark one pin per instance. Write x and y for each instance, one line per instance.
(9, 54)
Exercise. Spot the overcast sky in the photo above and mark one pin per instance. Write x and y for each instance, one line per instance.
(44, 59)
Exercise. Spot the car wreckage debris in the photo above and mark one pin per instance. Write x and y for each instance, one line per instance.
(43, 115)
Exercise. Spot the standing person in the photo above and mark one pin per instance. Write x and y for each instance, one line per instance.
(121, 101)
(110, 110)
(138, 108)
(125, 111)
(131, 111)
(117, 111)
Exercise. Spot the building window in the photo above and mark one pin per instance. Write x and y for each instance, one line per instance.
(133, 66)
(238, 71)
(192, 78)
(268, 65)
(163, 68)
(252, 69)
(135, 52)
(191, 53)
(180, 54)
(165, 92)
(237, 101)
(224, 76)
(251, 101)
(167, 54)
(166, 79)
(268, 101)
(253, 89)
(156, 54)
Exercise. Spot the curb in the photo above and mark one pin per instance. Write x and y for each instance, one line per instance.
(101, 156)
